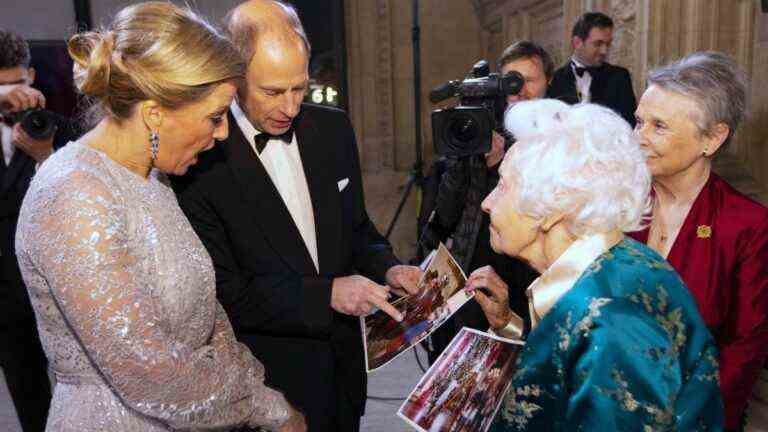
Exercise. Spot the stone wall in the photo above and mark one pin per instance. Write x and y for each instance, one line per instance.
(381, 92)
(753, 138)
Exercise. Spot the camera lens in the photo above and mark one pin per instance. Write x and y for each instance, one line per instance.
(39, 124)
(464, 129)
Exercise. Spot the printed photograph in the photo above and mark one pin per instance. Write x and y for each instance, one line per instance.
(440, 295)
(462, 391)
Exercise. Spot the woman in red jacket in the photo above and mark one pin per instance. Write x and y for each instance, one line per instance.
(715, 237)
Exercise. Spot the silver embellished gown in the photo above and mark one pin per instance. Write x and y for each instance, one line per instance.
(124, 294)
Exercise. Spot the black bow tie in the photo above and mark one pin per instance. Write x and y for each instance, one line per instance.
(580, 70)
(261, 139)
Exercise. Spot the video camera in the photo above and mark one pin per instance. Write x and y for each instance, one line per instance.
(465, 129)
(37, 123)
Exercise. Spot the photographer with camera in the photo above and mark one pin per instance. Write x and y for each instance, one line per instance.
(465, 182)
(21, 355)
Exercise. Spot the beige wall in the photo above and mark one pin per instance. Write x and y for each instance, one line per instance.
(380, 73)
(754, 136)
(380, 70)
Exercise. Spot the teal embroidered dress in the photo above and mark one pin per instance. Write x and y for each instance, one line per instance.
(624, 349)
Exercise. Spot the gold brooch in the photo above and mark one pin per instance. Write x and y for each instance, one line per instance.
(704, 231)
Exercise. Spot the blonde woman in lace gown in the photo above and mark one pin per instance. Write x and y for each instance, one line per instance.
(123, 289)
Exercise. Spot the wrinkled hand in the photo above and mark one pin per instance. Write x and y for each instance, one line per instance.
(19, 97)
(39, 150)
(357, 295)
(496, 154)
(295, 423)
(494, 299)
(404, 279)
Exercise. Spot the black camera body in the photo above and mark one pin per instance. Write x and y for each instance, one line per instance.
(37, 123)
(465, 129)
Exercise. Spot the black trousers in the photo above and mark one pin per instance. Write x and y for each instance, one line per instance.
(26, 372)
(342, 419)
(331, 412)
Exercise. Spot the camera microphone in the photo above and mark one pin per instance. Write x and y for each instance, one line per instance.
(444, 91)
(486, 86)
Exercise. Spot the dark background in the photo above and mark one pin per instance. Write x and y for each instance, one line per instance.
(323, 21)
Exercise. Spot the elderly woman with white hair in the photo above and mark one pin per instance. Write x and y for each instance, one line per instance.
(715, 237)
(617, 343)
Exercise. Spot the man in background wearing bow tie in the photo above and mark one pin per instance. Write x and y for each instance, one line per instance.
(279, 206)
(588, 77)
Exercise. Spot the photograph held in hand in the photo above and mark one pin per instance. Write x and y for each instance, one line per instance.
(439, 296)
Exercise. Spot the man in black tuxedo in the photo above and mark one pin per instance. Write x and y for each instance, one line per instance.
(21, 357)
(279, 206)
(587, 77)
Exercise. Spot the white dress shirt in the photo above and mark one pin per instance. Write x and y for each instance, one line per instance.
(283, 164)
(6, 134)
(583, 82)
(560, 277)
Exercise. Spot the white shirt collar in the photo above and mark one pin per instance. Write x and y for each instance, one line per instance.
(6, 135)
(248, 129)
(562, 275)
(575, 63)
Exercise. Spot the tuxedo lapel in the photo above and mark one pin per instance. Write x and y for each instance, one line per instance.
(598, 87)
(269, 210)
(564, 85)
(321, 171)
(11, 173)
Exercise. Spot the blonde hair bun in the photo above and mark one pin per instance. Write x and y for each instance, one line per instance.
(92, 55)
(152, 51)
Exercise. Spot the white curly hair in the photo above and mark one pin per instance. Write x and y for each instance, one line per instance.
(583, 161)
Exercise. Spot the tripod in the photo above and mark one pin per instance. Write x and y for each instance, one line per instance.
(415, 176)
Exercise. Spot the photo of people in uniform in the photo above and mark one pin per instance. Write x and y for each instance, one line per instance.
(462, 391)
(439, 296)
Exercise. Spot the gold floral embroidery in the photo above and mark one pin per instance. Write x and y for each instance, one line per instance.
(587, 322)
(597, 264)
(565, 336)
(644, 298)
(673, 325)
(714, 368)
(662, 417)
(671, 322)
(519, 412)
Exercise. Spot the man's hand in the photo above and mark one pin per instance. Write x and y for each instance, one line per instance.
(492, 294)
(404, 279)
(496, 154)
(19, 97)
(357, 295)
(295, 423)
(39, 150)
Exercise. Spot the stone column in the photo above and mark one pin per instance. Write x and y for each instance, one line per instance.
(369, 60)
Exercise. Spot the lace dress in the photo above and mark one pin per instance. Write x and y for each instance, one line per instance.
(124, 294)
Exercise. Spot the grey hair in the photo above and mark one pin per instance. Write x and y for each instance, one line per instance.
(714, 82)
(243, 32)
(583, 161)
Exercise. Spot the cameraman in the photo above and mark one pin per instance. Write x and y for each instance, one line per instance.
(21, 355)
(463, 186)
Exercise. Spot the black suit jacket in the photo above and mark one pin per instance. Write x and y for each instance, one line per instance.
(14, 182)
(278, 303)
(611, 86)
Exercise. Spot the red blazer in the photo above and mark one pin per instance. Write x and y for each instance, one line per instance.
(721, 253)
